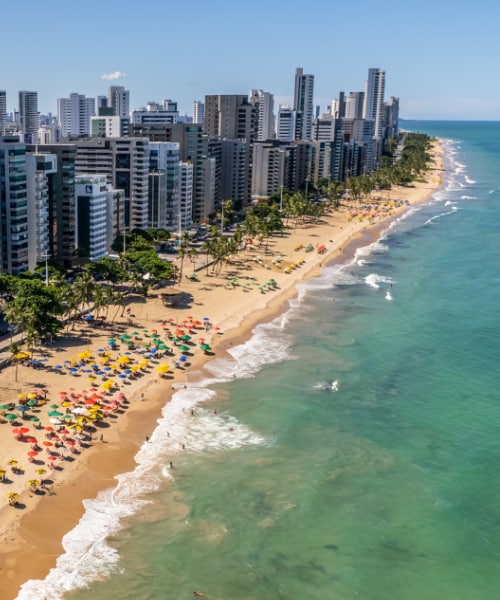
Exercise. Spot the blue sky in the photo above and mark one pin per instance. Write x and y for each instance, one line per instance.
(440, 56)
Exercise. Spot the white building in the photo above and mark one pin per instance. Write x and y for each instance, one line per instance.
(106, 126)
(198, 112)
(374, 100)
(92, 199)
(264, 102)
(286, 123)
(74, 114)
(156, 113)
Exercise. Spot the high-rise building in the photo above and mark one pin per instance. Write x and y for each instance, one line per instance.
(109, 126)
(39, 166)
(286, 124)
(303, 104)
(230, 116)
(61, 201)
(198, 112)
(74, 114)
(374, 100)
(125, 162)
(119, 100)
(391, 117)
(354, 105)
(29, 117)
(13, 206)
(91, 194)
(164, 206)
(3, 112)
(185, 194)
(264, 103)
(156, 113)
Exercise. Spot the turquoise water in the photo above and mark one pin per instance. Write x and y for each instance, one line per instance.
(351, 448)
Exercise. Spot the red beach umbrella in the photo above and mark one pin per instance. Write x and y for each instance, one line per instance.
(47, 443)
(49, 428)
(51, 457)
(32, 453)
(31, 440)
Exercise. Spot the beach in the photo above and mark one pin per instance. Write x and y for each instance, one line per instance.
(226, 306)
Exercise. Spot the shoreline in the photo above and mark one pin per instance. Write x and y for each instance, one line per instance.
(35, 533)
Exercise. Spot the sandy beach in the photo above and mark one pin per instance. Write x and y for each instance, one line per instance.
(81, 455)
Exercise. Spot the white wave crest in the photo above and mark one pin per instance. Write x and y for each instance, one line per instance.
(373, 280)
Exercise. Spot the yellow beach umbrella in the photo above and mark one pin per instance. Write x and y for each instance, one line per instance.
(22, 355)
(124, 360)
(163, 368)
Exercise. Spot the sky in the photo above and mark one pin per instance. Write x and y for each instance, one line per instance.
(440, 57)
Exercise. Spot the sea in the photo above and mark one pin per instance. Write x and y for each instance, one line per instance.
(350, 449)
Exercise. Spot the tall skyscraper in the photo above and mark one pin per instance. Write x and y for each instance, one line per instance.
(3, 112)
(264, 103)
(303, 104)
(13, 206)
(374, 100)
(29, 117)
(119, 100)
(198, 112)
(74, 114)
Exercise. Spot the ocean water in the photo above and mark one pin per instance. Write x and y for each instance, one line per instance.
(350, 449)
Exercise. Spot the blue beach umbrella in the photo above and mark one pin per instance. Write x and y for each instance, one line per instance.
(182, 358)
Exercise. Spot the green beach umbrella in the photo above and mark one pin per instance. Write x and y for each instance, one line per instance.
(35, 419)
(205, 347)
(55, 413)
(184, 348)
(185, 337)
(10, 416)
(5, 407)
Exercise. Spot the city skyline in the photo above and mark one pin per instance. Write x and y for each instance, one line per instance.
(436, 58)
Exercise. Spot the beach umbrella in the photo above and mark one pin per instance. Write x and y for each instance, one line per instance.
(184, 348)
(32, 402)
(55, 413)
(33, 482)
(34, 419)
(12, 462)
(205, 347)
(5, 407)
(22, 408)
(31, 440)
(55, 420)
(51, 457)
(54, 406)
(183, 358)
(48, 428)
(47, 443)
(41, 471)
(32, 453)
(10, 416)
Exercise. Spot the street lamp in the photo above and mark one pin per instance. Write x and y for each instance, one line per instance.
(281, 197)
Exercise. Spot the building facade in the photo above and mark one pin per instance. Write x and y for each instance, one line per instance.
(74, 114)
(303, 103)
(13, 206)
(29, 117)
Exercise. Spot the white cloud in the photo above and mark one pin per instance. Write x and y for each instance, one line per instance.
(113, 76)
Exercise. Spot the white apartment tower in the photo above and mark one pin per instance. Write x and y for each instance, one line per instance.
(374, 100)
(303, 104)
(264, 101)
(119, 100)
(74, 114)
(29, 117)
(198, 112)
(286, 124)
